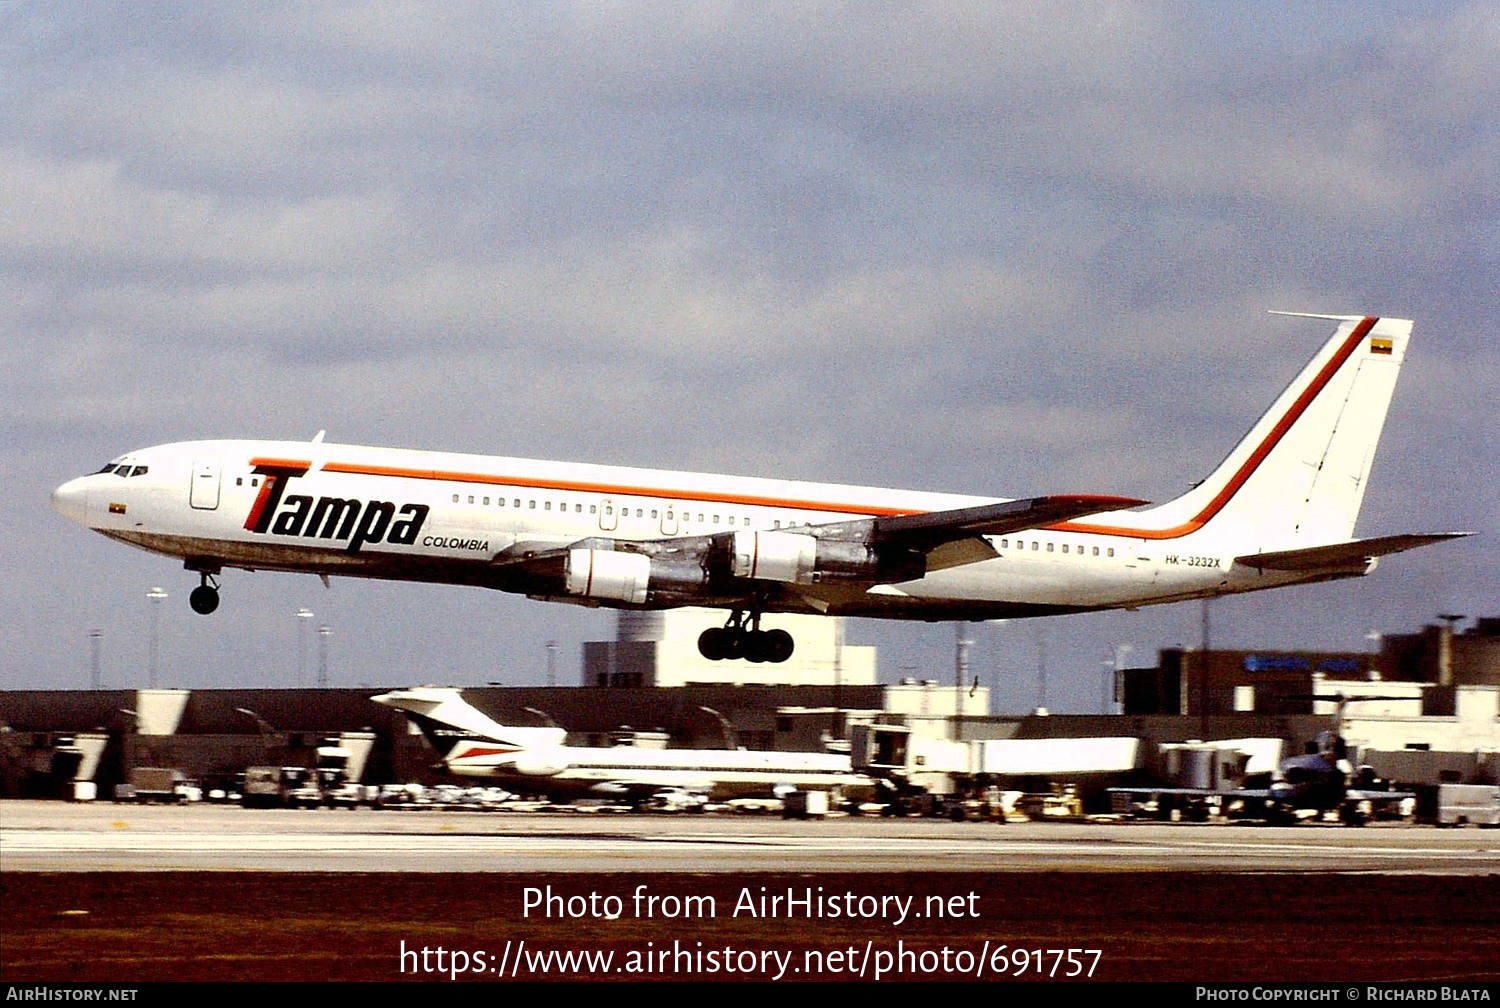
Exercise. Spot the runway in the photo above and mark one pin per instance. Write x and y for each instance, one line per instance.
(126, 893)
(52, 837)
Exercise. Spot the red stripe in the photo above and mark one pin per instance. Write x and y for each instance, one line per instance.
(1247, 469)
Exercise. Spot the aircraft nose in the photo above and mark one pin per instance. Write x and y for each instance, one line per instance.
(72, 500)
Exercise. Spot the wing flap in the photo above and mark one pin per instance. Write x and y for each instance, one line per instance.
(959, 552)
(1350, 554)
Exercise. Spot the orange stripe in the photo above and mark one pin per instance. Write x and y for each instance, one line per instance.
(281, 463)
(1238, 480)
(1246, 470)
(615, 489)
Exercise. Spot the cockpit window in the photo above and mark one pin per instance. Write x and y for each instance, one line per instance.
(123, 468)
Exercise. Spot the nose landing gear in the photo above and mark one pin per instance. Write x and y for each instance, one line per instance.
(205, 598)
(743, 638)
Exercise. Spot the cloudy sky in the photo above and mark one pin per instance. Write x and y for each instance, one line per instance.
(992, 249)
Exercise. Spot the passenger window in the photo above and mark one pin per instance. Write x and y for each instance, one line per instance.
(1111, 551)
(1049, 547)
(546, 505)
(471, 498)
(1005, 544)
(531, 505)
(455, 498)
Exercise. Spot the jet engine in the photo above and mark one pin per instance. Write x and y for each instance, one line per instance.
(626, 577)
(805, 559)
(541, 762)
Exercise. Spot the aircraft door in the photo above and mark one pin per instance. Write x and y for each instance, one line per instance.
(203, 494)
(609, 515)
(669, 520)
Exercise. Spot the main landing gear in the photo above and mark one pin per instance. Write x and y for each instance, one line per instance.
(743, 638)
(205, 598)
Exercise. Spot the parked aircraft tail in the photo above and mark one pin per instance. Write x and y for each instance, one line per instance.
(446, 719)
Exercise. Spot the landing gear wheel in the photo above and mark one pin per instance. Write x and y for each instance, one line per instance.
(711, 643)
(724, 643)
(755, 646)
(777, 646)
(204, 599)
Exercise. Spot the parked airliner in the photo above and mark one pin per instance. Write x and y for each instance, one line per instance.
(1279, 510)
(537, 761)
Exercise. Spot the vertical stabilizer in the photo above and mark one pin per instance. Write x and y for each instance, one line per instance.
(446, 718)
(1298, 478)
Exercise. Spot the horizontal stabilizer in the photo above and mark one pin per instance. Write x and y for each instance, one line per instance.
(1359, 551)
(927, 531)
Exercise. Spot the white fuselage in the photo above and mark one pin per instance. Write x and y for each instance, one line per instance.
(537, 761)
(1280, 509)
(577, 771)
(433, 516)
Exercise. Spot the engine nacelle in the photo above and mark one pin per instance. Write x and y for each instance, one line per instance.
(626, 577)
(804, 559)
(541, 762)
(607, 574)
(775, 556)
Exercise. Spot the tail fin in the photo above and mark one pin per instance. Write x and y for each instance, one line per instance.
(1298, 478)
(446, 718)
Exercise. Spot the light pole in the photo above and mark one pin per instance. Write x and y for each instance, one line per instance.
(961, 645)
(552, 663)
(1377, 639)
(324, 632)
(727, 729)
(1117, 663)
(94, 637)
(304, 616)
(155, 594)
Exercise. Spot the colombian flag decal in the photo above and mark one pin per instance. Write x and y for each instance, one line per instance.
(1380, 345)
(117, 509)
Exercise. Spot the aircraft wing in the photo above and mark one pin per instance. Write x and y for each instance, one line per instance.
(857, 552)
(956, 537)
(1357, 553)
(1379, 797)
(927, 531)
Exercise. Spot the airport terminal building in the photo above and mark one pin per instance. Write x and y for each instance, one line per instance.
(1437, 716)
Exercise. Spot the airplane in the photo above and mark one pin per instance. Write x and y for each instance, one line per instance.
(1279, 510)
(538, 761)
(1307, 787)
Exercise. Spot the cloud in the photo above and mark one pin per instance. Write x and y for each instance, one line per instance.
(988, 249)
